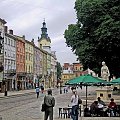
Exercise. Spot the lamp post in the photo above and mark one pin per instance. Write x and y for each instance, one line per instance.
(60, 87)
(5, 88)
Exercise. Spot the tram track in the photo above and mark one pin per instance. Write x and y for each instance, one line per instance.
(14, 101)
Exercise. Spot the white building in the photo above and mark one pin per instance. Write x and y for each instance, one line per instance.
(10, 59)
(2, 23)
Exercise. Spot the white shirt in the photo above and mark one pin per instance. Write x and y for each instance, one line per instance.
(74, 100)
(100, 105)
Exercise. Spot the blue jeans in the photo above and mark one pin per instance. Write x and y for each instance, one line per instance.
(74, 113)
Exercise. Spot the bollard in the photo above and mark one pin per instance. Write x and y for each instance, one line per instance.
(5, 93)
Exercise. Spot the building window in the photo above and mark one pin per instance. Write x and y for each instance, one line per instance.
(5, 54)
(26, 68)
(11, 42)
(5, 40)
(14, 43)
(76, 68)
(26, 56)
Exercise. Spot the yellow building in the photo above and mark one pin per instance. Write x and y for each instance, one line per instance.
(29, 53)
(49, 69)
(44, 68)
(67, 76)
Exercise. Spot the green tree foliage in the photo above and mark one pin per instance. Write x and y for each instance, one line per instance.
(98, 38)
(59, 70)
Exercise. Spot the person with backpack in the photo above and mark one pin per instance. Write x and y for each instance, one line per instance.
(49, 102)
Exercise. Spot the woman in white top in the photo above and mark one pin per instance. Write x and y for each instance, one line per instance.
(75, 106)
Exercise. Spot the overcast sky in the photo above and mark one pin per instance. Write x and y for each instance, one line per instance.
(25, 17)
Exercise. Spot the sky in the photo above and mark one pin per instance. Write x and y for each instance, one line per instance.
(25, 17)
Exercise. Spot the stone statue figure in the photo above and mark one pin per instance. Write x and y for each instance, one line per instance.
(105, 72)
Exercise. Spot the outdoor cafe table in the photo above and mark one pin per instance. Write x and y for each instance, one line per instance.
(65, 111)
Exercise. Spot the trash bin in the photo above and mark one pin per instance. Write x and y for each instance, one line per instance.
(5, 93)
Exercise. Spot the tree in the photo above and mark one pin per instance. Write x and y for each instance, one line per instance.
(96, 35)
(59, 70)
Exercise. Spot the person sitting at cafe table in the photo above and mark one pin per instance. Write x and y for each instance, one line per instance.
(112, 107)
(101, 102)
(101, 106)
(94, 108)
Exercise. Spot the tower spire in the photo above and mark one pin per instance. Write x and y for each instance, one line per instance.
(44, 20)
(44, 30)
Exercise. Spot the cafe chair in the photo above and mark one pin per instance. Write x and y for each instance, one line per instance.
(63, 112)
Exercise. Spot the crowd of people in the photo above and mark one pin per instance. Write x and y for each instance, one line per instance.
(99, 108)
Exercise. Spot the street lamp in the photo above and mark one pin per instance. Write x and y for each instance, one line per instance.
(60, 87)
(5, 88)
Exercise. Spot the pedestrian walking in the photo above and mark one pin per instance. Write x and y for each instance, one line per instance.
(42, 89)
(75, 105)
(49, 102)
(37, 91)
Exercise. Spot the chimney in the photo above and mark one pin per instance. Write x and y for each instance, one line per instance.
(5, 29)
(11, 32)
(23, 37)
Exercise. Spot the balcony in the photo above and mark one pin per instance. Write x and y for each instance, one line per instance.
(11, 71)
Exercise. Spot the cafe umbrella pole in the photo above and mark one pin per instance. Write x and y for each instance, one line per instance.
(86, 96)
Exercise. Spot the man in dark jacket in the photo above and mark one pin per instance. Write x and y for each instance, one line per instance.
(49, 101)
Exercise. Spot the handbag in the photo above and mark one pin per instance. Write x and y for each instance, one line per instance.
(43, 107)
(79, 100)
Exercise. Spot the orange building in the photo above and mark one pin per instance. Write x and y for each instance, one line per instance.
(20, 63)
(77, 69)
(71, 71)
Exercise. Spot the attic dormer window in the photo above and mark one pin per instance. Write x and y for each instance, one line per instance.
(40, 45)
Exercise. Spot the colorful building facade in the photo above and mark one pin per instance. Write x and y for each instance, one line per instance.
(38, 66)
(29, 63)
(24, 64)
(71, 71)
(10, 60)
(20, 63)
(2, 23)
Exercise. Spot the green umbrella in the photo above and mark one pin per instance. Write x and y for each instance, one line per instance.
(86, 80)
(116, 81)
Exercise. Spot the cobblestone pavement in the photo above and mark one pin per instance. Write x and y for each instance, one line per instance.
(31, 110)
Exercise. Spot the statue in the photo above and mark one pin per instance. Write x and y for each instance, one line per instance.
(105, 72)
